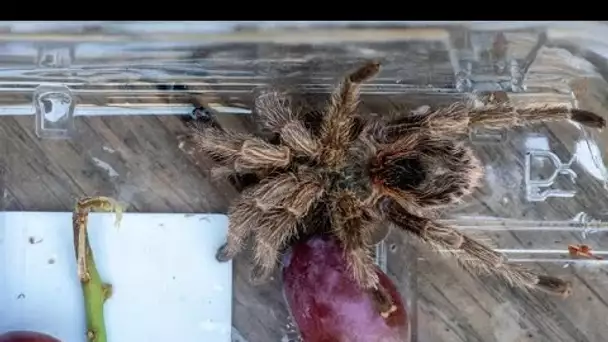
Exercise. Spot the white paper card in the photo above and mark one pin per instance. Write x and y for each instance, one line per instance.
(167, 285)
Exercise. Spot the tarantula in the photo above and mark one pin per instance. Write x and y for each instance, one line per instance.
(360, 172)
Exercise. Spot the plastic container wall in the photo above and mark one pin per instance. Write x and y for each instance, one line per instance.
(98, 108)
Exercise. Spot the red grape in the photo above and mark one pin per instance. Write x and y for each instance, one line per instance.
(26, 336)
(327, 304)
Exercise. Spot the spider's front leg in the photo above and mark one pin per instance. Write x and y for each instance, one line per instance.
(287, 200)
(248, 212)
(252, 209)
(504, 116)
(275, 208)
(240, 153)
(277, 115)
(472, 254)
(441, 121)
(338, 119)
(353, 224)
(243, 216)
(458, 118)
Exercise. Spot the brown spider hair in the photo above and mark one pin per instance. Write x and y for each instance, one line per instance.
(355, 173)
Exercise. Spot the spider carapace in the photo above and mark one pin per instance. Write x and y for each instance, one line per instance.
(356, 173)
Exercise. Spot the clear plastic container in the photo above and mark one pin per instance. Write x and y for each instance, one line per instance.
(98, 108)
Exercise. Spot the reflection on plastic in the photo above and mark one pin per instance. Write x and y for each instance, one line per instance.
(54, 105)
(546, 235)
(534, 187)
(55, 56)
(488, 136)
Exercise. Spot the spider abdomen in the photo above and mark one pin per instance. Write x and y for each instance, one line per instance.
(405, 173)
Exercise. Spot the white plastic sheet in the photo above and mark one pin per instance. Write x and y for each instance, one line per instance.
(167, 284)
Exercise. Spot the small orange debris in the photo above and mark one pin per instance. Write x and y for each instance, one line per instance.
(583, 251)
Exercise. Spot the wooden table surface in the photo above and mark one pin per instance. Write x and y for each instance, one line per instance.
(138, 159)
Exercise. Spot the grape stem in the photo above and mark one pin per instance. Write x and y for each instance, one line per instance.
(95, 292)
